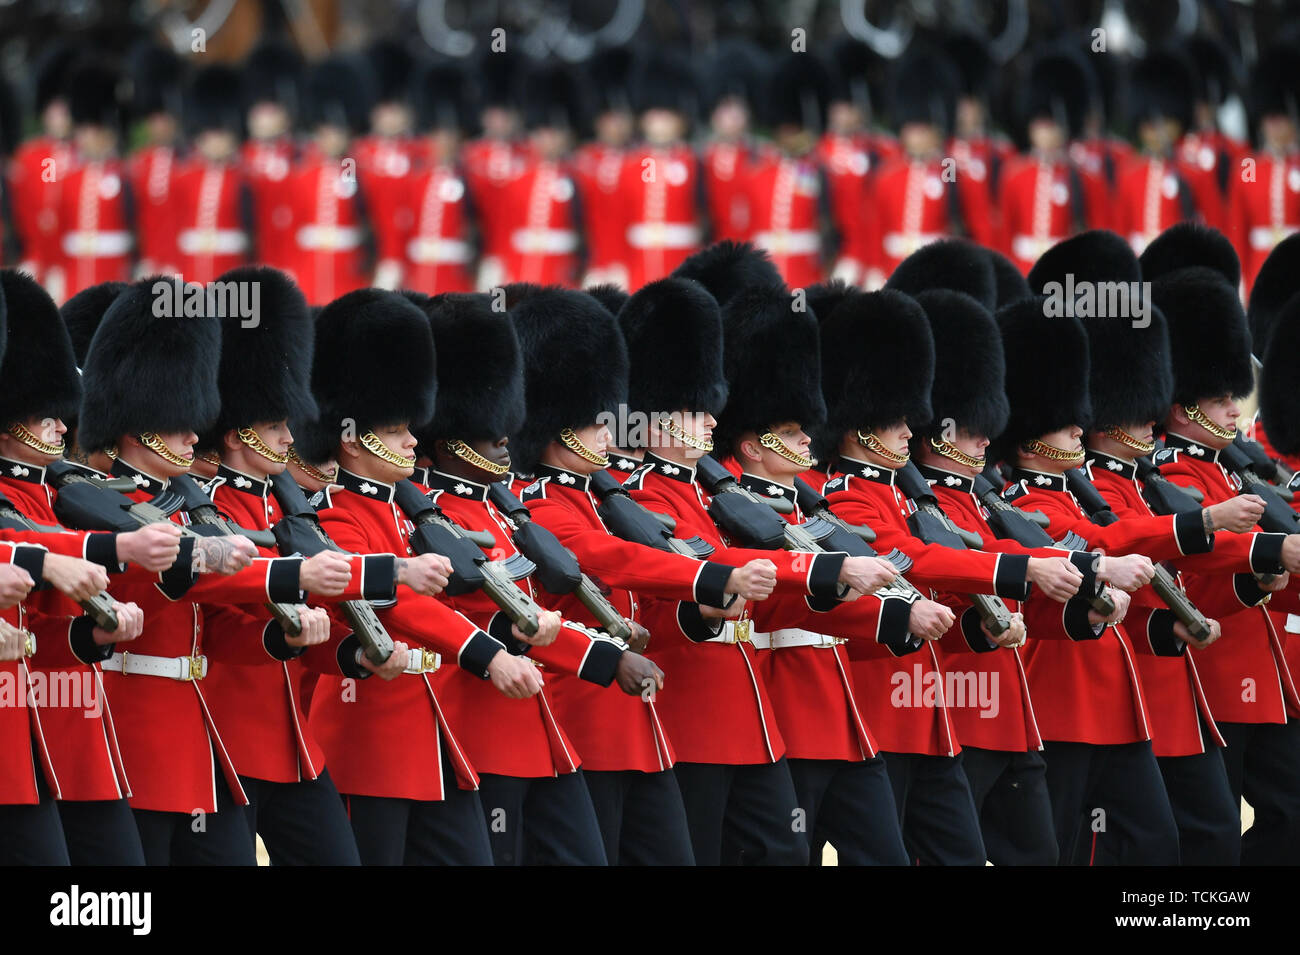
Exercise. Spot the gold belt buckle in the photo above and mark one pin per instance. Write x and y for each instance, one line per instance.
(429, 661)
(741, 630)
(29, 644)
(196, 667)
(125, 654)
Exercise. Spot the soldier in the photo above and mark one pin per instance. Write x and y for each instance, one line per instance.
(1272, 289)
(981, 154)
(157, 79)
(270, 97)
(598, 164)
(1218, 81)
(733, 84)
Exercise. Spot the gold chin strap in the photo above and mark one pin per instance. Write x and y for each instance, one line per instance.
(470, 456)
(20, 432)
(370, 441)
(159, 447)
(254, 440)
(313, 472)
(210, 458)
(669, 426)
(872, 443)
(773, 443)
(1052, 452)
(1126, 439)
(954, 453)
(1196, 414)
(570, 441)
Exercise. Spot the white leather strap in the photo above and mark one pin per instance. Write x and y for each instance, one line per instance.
(794, 637)
(183, 669)
(422, 661)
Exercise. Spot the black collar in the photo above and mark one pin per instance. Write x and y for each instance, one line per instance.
(766, 488)
(562, 477)
(1097, 461)
(678, 472)
(144, 482)
(17, 471)
(942, 478)
(242, 482)
(421, 476)
(460, 487)
(624, 462)
(375, 490)
(1039, 480)
(862, 469)
(1193, 449)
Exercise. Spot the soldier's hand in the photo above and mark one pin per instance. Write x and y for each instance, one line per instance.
(391, 668)
(224, 555)
(1238, 514)
(636, 675)
(754, 581)
(867, 574)
(326, 574)
(154, 547)
(548, 628)
(15, 584)
(1291, 553)
(1013, 636)
(427, 574)
(1121, 601)
(930, 619)
(78, 579)
(1128, 572)
(1279, 582)
(130, 624)
(640, 638)
(1056, 577)
(516, 677)
(315, 627)
(1215, 632)
(718, 613)
(13, 642)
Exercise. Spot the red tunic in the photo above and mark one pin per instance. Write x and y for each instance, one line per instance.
(850, 163)
(543, 232)
(329, 257)
(385, 165)
(36, 176)
(96, 236)
(726, 169)
(658, 189)
(1263, 208)
(153, 172)
(597, 169)
(267, 165)
(436, 252)
(489, 165)
(208, 215)
(785, 199)
(915, 206)
(1039, 206)
(1153, 194)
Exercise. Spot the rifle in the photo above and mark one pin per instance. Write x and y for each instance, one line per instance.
(1264, 466)
(1163, 582)
(299, 531)
(557, 568)
(436, 533)
(98, 607)
(1278, 517)
(632, 521)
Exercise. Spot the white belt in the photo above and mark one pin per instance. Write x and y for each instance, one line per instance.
(1292, 624)
(1028, 248)
(434, 251)
(794, 637)
(183, 669)
(422, 661)
(329, 238)
(729, 634)
(663, 235)
(1264, 237)
(212, 241)
(798, 242)
(550, 241)
(899, 245)
(93, 244)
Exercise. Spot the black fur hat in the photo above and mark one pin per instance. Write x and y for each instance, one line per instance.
(727, 268)
(50, 70)
(823, 297)
(663, 79)
(480, 371)
(391, 65)
(375, 365)
(1096, 256)
(736, 68)
(212, 100)
(1047, 374)
(924, 88)
(498, 75)
(265, 372)
(608, 73)
(611, 297)
(157, 76)
(1011, 283)
(673, 330)
(575, 368)
(1273, 288)
(955, 264)
(1279, 403)
(83, 312)
(338, 92)
(1190, 243)
(443, 97)
(273, 73)
(970, 54)
(1208, 336)
(877, 365)
(1218, 68)
(1162, 84)
(969, 369)
(549, 96)
(773, 366)
(856, 72)
(39, 371)
(797, 94)
(148, 373)
(1061, 86)
(1274, 81)
(95, 94)
(1132, 378)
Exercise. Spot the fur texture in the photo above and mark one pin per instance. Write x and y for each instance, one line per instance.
(1273, 288)
(1208, 337)
(39, 370)
(951, 264)
(1011, 284)
(1279, 402)
(93, 96)
(662, 78)
(969, 369)
(798, 91)
(924, 87)
(1060, 86)
(1096, 256)
(727, 268)
(83, 312)
(1191, 243)
(823, 297)
(212, 100)
(1162, 84)
(1132, 379)
(273, 73)
(338, 92)
(610, 296)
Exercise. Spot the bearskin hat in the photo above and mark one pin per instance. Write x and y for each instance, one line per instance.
(1132, 379)
(1162, 84)
(212, 100)
(391, 65)
(727, 268)
(663, 79)
(1279, 403)
(1208, 336)
(498, 73)
(273, 73)
(83, 312)
(610, 296)
(549, 96)
(145, 373)
(924, 88)
(955, 264)
(1274, 82)
(51, 70)
(338, 92)
(570, 332)
(823, 297)
(736, 68)
(1273, 288)
(1096, 256)
(1190, 243)
(856, 71)
(443, 97)
(39, 369)
(1011, 283)
(608, 74)
(157, 74)
(94, 94)
(1218, 68)
(1061, 86)
(970, 55)
(969, 370)
(798, 92)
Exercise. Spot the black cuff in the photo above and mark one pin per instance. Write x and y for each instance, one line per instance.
(30, 559)
(1085, 561)
(81, 640)
(824, 575)
(1011, 579)
(282, 586)
(1248, 591)
(602, 662)
(346, 657)
(378, 577)
(477, 653)
(180, 576)
(822, 604)
(892, 631)
(1074, 617)
(693, 624)
(273, 642)
(102, 549)
(1160, 634)
(976, 639)
(1266, 553)
(711, 584)
(1189, 531)
(499, 629)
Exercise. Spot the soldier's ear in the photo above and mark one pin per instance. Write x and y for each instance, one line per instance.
(751, 451)
(348, 450)
(230, 440)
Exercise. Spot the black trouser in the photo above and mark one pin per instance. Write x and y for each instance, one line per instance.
(1011, 801)
(546, 820)
(1263, 764)
(1208, 817)
(742, 815)
(935, 809)
(851, 806)
(101, 832)
(32, 834)
(302, 823)
(1109, 805)
(198, 838)
(641, 817)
